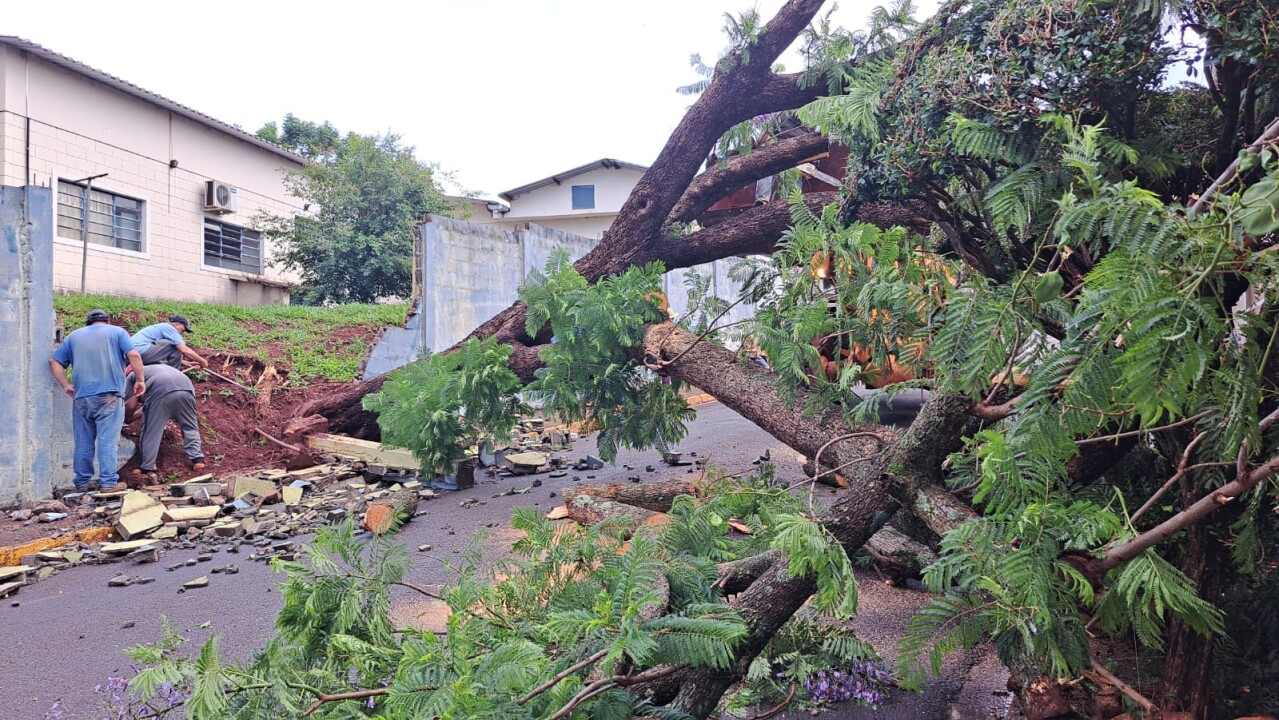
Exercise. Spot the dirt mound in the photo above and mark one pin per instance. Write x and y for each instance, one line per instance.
(229, 416)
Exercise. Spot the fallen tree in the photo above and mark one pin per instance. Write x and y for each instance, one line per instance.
(1048, 261)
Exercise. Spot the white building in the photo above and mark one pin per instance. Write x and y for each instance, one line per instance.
(583, 201)
(171, 209)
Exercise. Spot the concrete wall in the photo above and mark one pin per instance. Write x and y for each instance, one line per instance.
(80, 127)
(35, 436)
(472, 272)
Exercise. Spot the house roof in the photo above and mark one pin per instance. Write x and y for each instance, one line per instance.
(129, 88)
(558, 179)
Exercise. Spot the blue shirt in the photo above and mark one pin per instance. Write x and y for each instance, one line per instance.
(147, 336)
(98, 353)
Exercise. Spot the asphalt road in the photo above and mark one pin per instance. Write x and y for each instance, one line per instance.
(67, 632)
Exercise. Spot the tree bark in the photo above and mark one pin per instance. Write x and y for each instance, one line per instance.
(740, 170)
(751, 391)
(586, 509)
(855, 516)
(655, 496)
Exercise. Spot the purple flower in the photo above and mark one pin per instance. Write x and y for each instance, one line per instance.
(864, 681)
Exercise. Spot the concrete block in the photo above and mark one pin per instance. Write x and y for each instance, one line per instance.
(127, 546)
(291, 495)
(140, 514)
(245, 485)
(187, 514)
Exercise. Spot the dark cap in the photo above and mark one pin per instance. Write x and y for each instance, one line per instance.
(96, 316)
(186, 324)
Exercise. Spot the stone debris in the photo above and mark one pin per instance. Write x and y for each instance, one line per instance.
(675, 459)
(291, 495)
(127, 580)
(126, 547)
(190, 514)
(526, 463)
(202, 581)
(139, 514)
(56, 507)
(361, 480)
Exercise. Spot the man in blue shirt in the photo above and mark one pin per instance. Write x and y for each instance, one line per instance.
(97, 354)
(162, 343)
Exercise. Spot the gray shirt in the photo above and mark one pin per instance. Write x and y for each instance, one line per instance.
(162, 380)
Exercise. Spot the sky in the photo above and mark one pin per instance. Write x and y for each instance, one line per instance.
(498, 93)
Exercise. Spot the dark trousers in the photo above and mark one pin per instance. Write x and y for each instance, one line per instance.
(156, 414)
(163, 352)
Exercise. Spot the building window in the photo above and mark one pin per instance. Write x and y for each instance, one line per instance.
(114, 220)
(583, 197)
(231, 247)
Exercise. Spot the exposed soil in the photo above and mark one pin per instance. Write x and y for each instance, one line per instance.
(228, 418)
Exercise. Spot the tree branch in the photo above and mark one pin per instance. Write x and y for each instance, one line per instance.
(322, 700)
(1201, 509)
(1270, 135)
(721, 180)
(1181, 472)
(1144, 431)
(561, 675)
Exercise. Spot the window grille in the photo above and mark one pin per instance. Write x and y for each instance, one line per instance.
(114, 220)
(232, 247)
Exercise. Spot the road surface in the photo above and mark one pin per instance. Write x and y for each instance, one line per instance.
(67, 633)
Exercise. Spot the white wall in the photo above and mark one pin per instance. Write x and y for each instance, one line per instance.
(612, 187)
(79, 127)
(472, 272)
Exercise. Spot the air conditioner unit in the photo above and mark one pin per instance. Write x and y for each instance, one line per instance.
(219, 197)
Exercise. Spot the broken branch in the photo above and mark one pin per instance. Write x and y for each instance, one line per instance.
(323, 700)
(591, 660)
(1202, 508)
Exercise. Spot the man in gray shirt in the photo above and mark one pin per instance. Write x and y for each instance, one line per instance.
(169, 396)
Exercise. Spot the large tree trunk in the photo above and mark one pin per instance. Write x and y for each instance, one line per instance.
(666, 193)
(858, 513)
(1187, 684)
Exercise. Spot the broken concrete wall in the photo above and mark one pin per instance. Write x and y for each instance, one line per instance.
(35, 416)
(397, 347)
(472, 272)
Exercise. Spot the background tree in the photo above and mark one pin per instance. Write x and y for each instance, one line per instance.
(366, 194)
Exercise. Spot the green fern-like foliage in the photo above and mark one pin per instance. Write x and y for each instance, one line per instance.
(1146, 341)
(439, 406)
(590, 372)
(1146, 592)
(523, 636)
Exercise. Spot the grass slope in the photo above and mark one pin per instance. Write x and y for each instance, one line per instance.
(325, 342)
